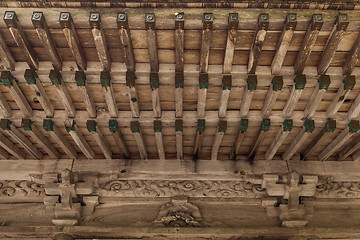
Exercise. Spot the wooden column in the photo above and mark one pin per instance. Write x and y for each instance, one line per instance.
(91, 126)
(340, 140)
(6, 56)
(354, 109)
(284, 42)
(105, 80)
(135, 129)
(259, 37)
(206, 41)
(64, 95)
(352, 57)
(198, 139)
(8, 80)
(218, 138)
(179, 139)
(17, 33)
(248, 95)
(239, 138)
(10, 147)
(155, 96)
(78, 138)
(322, 85)
(125, 39)
(69, 30)
(80, 79)
(307, 129)
(332, 44)
(349, 149)
(159, 139)
(133, 98)
(120, 142)
(202, 92)
(308, 43)
(272, 94)
(297, 89)
(233, 23)
(179, 86)
(42, 30)
(279, 139)
(152, 41)
(264, 129)
(179, 42)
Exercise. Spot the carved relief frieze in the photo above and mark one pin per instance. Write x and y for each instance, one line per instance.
(327, 188)
(21, 188)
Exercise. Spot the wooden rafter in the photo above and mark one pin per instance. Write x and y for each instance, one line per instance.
(279, 139)
(199, 136)
(239, 138)
(354, 109)
(11, 147)
(226, 87)
(159, 139)
(133, 96)
(218, 138)
(349, 149)
(352, 57)
(297, 89)
(155, 95)
(233, 22)
(322, 85)
(248, 95)
(179, 42)
(179, 86)
(6, 56)
(206, 38)
(119, 139)
(78, 138)
(152, 41)
(95, 132)
(272, 94)
(135, 129)
(179, 138)
(202, 92)
(264, 129)
(80, 79)
(105, 80)
(125, 39)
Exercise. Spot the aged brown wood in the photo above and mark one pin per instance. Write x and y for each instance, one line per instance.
(10, 147)
(179, 41)
(126, 42)
(352, 57)
(206, 38)
(81, 82)
(233, 22)
(135, 129)
(133, 96)
(7, 59)
(98, 136)
(152, 41)
(349, 149)
(79, 139)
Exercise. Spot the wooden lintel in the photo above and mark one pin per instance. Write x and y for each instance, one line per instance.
(6, 56)
(218, 138)
(321, 86)
(224, 98)
(179, 138)
(179, 41)
(202, 92)
(105, 80)
(239, 138)
(351, 148)
(297, 89)
(133, 98)
(233, 23)
(152, 41)
(264, 129)
(206, 37)
(352, 57)
(115, 131)
(135, 129)
(179, 86)
(11, 147)
(125, 39)
(198, 139)
(99, 138)
(271, 95)
(155, 95)
(354, 109)
(248, 94)
(71, 36)
(80, 79)
(159, 139)
(279, 139)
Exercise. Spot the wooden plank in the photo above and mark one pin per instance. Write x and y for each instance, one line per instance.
(80, 79)
(95, 132)
(248, 95)
(233, 22)
(284, 42)
(218, 138)
(297, 89)
(224, 98)
(342, 22)
(6, 56)
(42, 30)
(179, 41)
(10, 147)
(308, 43)
(35, 84)
(279, 139)
(179, 86)
(116, 133)
(349, 149)
(12, 22)
(105, 80)
(206, 38)
(271, 95)
(321, 86)
(198, 139)
(264, 129)
(125, 39)
(135, 129)
(159, 139)
(179, 139)
(235, 150)
(71, 36)
(155, 96)
(50, 127)
(133, 98)
(352, 57)
(100, 40)
(152, 41)
(354, 109)
(259, 37)
(202, 92)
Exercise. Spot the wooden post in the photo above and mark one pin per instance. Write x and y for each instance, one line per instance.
(233, 23)
(206, 37)
(322, 85)
(307, 129)
(272, 94)
(284, 42)
(279, 139)
(226, 87)
(198, 139)
(308, 43)
(7, 126)
(91, 126)
(354, 109)
(259, 37)
(342, 22)
(135, 129)
(28, 126)
(329, 127)
(10, 147)
(152, 41)
(248, 95)
(69, 30)
(202, 92)
(50, 127)
(179, 86)
(155, 96)
(100, 40)
(349, 149)
(17, 33)
(340, 140)
(133, 98)
(341, 95)
(125, 39)
(264, 129)
(179, 41)
(64, 95)
(218, 138)
(158, 139)
(179, 138)
(298, 87)
(78, 138)
(239, 138)
(81, 82)
(8, 80)
(6, 56)
(105, 80)
(42, 30)
(115, 131)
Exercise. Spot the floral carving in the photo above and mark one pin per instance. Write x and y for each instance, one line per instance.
(21, 188)
(327, 188)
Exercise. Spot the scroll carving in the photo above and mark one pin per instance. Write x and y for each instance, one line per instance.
(21, 188)
(327, 188)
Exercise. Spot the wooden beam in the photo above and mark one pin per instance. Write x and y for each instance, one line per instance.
(99, 138)
(42, 30)
(224, 98)
(279, 139)
(340, 140)
(71, 36)
(179, 139)
(50, 127)
(78, 138)
(152, 41)
(133, 98)
(342, 22)
(63, 93)
(4, 154)
(198, 139)
(308, 42)
(322, 85)
(356, 156)
(264, 129)
(155, 96)
(17, 33)
(28, 126)
(135, 129)
(341, 95)
(120, 142)
(239, 138)
(7, 126)
(354, 109)
(248, 94)
(179, 41)
(11, 147)
(105, 80)
(284, 42)
(179, 86)
(297, 89)
(233, 23)
(349, 149)
(9, 82)
(159, 139)
(7, 59)
(80, 79)
(272, 94)
(202, 92)
(307, 129)
(218, 138)
(329, 127)
(125, 39)
(352, 57)
(206, 38)
(259, 37)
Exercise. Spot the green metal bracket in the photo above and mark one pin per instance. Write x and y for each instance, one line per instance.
(154, 80)
(55, 77)
(179, 125)
(251, 81)
(277, 83)
(265, 124)
(349, 82)
(157, 126)
(105, 78)
(316, 22)
(226, 82)
(30, 76)
(300, 81)
(203, 80)
(263, 21)
(342, 22)
(244, 123)
(72, 127)
(324, 82)
(113, 125)
(80, 78)
(48, 125)
(179, 80)
(330, 125)
(26, 124)
(5, 124)
(135, 126)
(91, 125)
(309, 125)
(291, 21)
(354, 126)
(222, 126)
(201, 125)
(7, 78)
(288, 125)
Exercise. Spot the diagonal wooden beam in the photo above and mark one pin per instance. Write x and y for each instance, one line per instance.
(284, 42)
(202, 92)
(80, 79)
(72, 39)
(233, 23)
(42, 30)
(338, 31)
(135, 129)
(248, 94)
(349, 149)
(120, 142)
(95, 132)
(125, 39)
(152, 41)
(159, 139)
(297, 89)
(11, 147)
(352, 57)
(279, 139)
(308, 43)
(199, 136)
(340, 140)
(239, 138)
(133, 98)
(179, 86)
(356, 156)
(354, 109)
(271, 95)
(105, 80)
(17, 33)
(264, 129)
(7, 59)
(322, 85)
(218, 138)
(179, 138)
(179, 41)
(206, 38)
(4, 154)
(224, 98)
(155, 95)
(259, 37)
